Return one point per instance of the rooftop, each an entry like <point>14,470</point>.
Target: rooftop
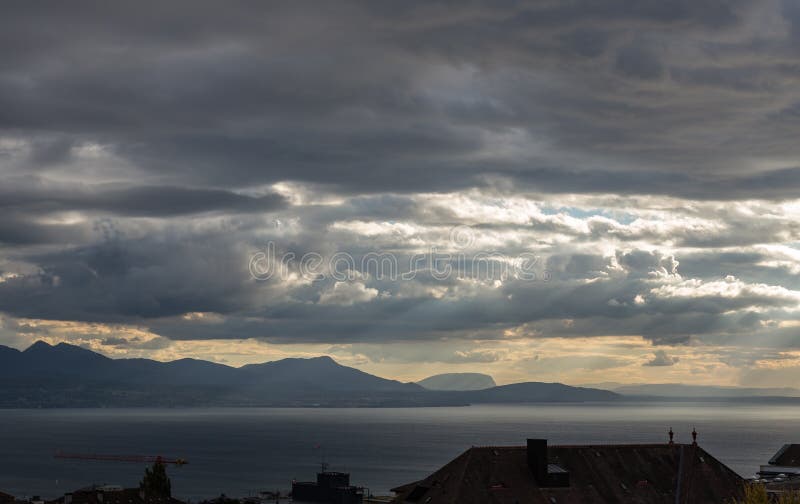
<point>636,473</point>
<point>787,456</point>
<point>112,495</point>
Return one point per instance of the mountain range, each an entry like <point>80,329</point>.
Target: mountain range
<point>69,376</point>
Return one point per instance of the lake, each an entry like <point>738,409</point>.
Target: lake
<point>240,451</point>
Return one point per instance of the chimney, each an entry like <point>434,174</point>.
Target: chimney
<point>537,460</point>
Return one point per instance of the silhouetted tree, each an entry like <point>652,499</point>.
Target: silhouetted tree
<point>156,482</point>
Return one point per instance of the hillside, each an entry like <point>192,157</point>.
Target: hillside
<point>69,376</point>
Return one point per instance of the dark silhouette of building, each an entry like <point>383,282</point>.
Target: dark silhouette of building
<point>330,488</point>
<point>112,495</point>
<point>666,473</point>
<point>782,473</point>
<point>6,498</point>
<point>786,460</point>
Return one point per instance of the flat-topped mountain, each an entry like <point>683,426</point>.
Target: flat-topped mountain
<point>458,381</point>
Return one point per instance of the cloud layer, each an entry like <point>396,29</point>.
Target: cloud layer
<point>642,157</point>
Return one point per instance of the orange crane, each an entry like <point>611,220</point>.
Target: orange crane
<point>147,459</point>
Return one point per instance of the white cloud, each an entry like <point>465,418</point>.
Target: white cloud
<point>348,293</point>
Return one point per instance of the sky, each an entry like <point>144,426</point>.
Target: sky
<point>576,191</point>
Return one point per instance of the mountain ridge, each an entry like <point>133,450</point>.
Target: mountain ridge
<point>69,376</point>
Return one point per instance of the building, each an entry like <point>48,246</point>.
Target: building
<point>111,494</point>
<point>537,473</point>
<point>330,488</point>
<point>782,473</point>
<point>6,498</point>
<point>785,464</point>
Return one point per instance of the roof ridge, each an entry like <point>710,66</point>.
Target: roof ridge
<point>779,453</point>
<point>468,454</point>
<point>597,445</point>
<point>619,445</point>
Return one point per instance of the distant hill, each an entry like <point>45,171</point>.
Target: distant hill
<point>458,381</point>
<point>537,392</point>
<point>678,390</point>
<point>69,376</point>
<point>321,372</point>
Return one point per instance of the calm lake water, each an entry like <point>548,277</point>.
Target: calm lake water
<point>241,451</point>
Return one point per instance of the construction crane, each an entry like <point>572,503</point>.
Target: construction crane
<point>147,459</point>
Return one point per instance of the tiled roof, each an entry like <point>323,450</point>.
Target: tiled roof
<point>632,474</point>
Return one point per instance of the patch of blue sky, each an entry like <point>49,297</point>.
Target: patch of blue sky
<point>585,213</point>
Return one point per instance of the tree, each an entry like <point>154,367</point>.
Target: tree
<point>757,494</point>
<point>156,482</point>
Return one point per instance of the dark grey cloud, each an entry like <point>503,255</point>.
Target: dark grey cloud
<point>150,201</point>
<point>147,150</point>
<point>134,343</point>
<point>751,266</point>
<point>124,280</point>
<point>16,229</point>
<point>637,61</point>
<point>379,98</point>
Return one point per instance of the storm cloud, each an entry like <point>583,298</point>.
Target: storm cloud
<point>644,154</point>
